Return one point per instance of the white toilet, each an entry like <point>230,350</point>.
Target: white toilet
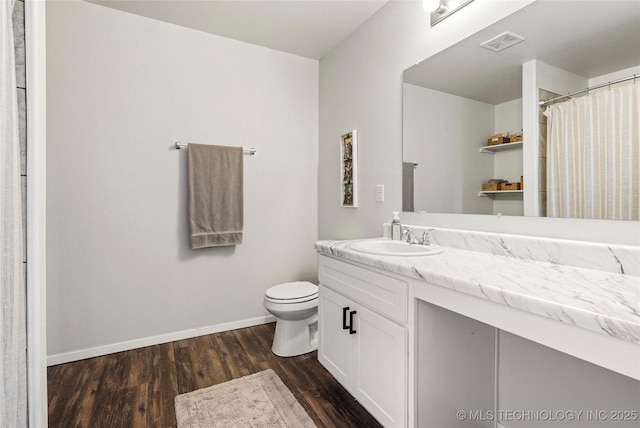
<point>295,305</point>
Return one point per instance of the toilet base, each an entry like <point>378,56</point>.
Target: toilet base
<point>294,338</point>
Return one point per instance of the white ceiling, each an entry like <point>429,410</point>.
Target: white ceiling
<point>309,28</point>
<point>588,38</point>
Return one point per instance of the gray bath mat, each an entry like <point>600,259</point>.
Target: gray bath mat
<point>257,400</point>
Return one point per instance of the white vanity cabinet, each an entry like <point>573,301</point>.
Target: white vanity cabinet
<point>363,336</point>
<point>466,339</point>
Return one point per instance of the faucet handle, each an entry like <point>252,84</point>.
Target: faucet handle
<point>425,237</point>
<point>408,234</point>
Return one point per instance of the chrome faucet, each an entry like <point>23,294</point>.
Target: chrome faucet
<point>410,237</point>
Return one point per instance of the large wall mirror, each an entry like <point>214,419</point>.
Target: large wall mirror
<point>454,101</point>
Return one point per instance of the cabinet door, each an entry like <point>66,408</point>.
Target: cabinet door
<point>334,343</point>
<point>380,367</point>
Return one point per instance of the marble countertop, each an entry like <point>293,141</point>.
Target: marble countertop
<point>604,302</point>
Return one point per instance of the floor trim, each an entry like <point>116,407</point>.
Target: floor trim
<point>97,351</point>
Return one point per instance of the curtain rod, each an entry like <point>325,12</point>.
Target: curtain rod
<point>602,85</point>
<point>249,151</point>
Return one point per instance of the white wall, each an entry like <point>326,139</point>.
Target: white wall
<point>508,117</point>
<point>121,89</point>
<point>555,380</point>
<point>620,74</point>
<point>361,88</point>
<point>508,163</point>
<point>442,133</point>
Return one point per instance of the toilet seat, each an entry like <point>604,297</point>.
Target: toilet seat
<point>292,292</point>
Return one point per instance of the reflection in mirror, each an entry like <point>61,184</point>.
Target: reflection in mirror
<point>456,100</point>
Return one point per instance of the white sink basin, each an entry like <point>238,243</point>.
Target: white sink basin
<point>387,247</point>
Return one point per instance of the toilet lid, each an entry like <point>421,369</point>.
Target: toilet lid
<point>292,290</point>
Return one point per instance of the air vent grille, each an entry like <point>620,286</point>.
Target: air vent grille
<point>502,42</point>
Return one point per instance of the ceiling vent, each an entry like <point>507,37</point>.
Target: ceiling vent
<point>502,42</point>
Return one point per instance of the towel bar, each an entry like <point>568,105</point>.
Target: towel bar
<point>249,151</point>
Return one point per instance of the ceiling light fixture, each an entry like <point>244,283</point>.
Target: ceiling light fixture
<point>440,9</point>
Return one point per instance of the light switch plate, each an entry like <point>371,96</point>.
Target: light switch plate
<point>380,192</point>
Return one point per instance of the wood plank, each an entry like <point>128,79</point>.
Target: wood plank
<point>163,386</point>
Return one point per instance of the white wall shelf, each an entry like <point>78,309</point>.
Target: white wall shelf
<point>491,193</point>
<point>501,147</point>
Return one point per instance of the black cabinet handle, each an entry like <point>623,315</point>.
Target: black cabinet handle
<point>344,318</point>
<point>351,314</point>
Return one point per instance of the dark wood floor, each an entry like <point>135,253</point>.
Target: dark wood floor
<point>136,388</point>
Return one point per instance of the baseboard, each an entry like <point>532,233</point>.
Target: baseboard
<point>82,354</point>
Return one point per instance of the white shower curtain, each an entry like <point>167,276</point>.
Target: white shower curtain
<point>593,155</point>
<point>13,382</point>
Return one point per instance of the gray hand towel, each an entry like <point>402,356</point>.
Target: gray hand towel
<point>215,195</point>
<point>408,169</point>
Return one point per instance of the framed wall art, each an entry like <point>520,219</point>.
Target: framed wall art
<point>349,169</point>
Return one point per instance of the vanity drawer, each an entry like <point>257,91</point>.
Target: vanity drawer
<point>384,294</point>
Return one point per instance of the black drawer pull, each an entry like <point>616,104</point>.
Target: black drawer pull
<point>344,318</point>
<point>351,314</point>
